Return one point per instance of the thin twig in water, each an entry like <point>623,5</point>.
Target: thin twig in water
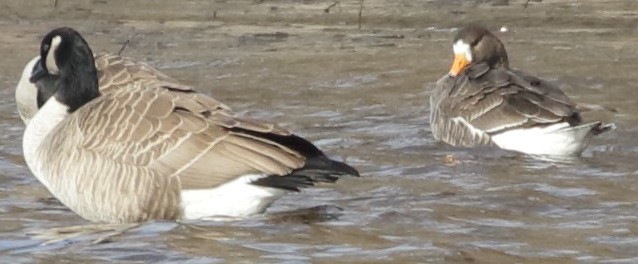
<point>526,3</point>
<point>119,53</point>
<point>108,237</point>
<point>360,12</point>
<point>55,4</point>
<point>327,9</point>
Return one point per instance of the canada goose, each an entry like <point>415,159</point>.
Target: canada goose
<point>483,101</point>
<point>150,148</point>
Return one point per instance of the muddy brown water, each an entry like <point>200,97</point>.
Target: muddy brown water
<point>362,96</point>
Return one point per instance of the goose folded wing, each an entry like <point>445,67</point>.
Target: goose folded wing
<point>183,134</point>
<point>115,72</point>
<point>500,100</point>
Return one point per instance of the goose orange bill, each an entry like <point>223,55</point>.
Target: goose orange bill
<point>459,64</point>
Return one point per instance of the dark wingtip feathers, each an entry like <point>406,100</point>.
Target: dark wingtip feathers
<point>323,163</point>
<point>317,170</point>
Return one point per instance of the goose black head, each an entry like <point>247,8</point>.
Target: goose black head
<point>66,69</point>
<point>475,44</point>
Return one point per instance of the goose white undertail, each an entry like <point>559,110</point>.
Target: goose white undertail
<point>556,139</point>
<point>237,198</point>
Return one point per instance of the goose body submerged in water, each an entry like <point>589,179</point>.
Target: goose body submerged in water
<point>142,146</point>
<point>483,101</point>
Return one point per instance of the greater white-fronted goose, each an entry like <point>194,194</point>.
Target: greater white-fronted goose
<point>151,148</point>
<point>483,101</point>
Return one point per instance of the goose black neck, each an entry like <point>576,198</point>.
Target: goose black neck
<point>76,83</point>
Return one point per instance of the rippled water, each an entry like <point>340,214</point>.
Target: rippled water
<point>361,95</point>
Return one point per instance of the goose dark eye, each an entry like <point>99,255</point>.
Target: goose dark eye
<point>45,47</point>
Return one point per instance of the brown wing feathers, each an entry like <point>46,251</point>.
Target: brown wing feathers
<point>500,99</point>
<point>207,145</point>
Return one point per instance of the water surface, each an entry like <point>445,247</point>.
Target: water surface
<point>362,96</point>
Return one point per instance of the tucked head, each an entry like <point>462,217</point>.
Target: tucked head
<point>475,44</point>
<point>66,69</point>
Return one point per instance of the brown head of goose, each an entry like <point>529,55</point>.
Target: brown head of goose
<point>483,101</point>
<point>154,149</point>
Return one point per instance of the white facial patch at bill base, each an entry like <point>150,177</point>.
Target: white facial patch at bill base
<point>51,64</point>
<point>460,47</point>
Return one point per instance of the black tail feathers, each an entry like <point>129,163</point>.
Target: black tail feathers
<point>317,169</point>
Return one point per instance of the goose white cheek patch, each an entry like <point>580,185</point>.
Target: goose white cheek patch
<point>52,65</point>
<point>460,47</point>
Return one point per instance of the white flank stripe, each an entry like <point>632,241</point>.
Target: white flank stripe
<point>461,121</point>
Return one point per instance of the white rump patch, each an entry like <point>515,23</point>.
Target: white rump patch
<point>237,198</point>
<point>460,47</point>
<point>556,139</point>
<point>52,65</point>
